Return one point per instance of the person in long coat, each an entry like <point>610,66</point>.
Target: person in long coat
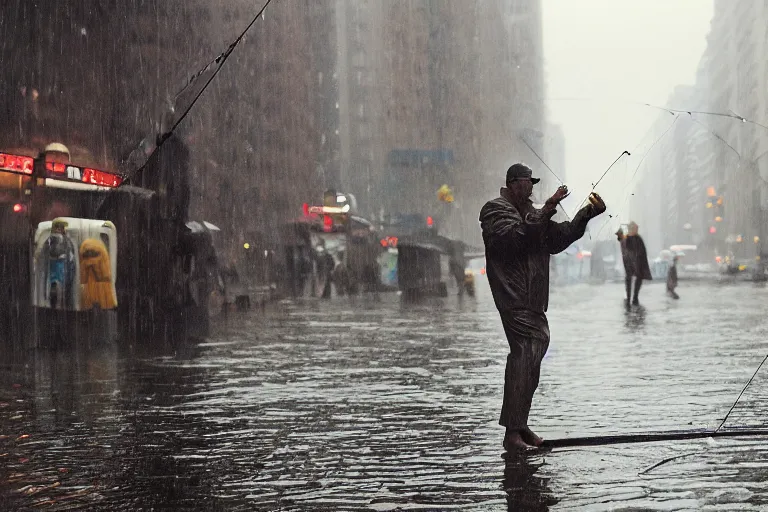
<point>635,259</point>
<point>519,240</point>
<point>672,279</point>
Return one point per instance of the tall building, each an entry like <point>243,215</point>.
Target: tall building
<point>434,93</point>
<point>719,195</point>
<point>386,99</point>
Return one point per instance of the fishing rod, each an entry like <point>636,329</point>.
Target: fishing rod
<point>676,113</point>
<point>658,139</point>
<point>652,437</point>
<point>731,115</point>
<point>673,435</point>
<point>625,152</point>
<point>216,64</point>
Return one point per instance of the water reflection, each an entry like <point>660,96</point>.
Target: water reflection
<point>634,318</point>
<point>73,385</point>
<point>526,491</point>
<point>326,405</point>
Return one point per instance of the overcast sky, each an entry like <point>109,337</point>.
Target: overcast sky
<point>610,52</point>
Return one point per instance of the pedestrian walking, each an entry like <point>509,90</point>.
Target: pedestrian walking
<point>635,259</point>
<point>519,240</point>
<point>672,279</point>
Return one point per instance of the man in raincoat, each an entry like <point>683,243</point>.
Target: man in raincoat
<point>519,240</point>
<point>635,261</point>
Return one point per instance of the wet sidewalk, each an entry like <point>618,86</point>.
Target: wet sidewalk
<point>364,405</point>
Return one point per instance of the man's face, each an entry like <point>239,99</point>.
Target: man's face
<point>521,187</point>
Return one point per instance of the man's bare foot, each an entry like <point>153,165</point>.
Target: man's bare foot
<point>513,441</point>
<point>530,437</point>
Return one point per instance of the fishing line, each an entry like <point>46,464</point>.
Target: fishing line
<point>677,435</point>
<point>716,135</point>
<point>548,168</point>
<point>668,459</point>
<point>598,181</point>
<point>540,159</point>
<point>658,139</point>
<point>742,392</point>
<point>625,152</point>
<point>672,435</point>
<point>731,115</point>
<point>677,117</point>
<point>220,60</point>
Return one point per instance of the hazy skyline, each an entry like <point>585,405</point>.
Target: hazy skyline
<point>600,57</point>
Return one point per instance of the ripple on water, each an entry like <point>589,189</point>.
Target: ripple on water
<point>332,407</point>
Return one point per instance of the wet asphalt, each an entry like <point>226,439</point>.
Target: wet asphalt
<point>359,404</point>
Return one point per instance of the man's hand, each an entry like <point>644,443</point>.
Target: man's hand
<point>620,235</point>
<point>598,205</point>
<point>560,194</point>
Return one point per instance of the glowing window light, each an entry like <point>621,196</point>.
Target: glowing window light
<point>16,163</point>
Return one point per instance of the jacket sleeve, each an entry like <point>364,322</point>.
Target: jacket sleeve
<point>559,235</point>
<point>506,230</point>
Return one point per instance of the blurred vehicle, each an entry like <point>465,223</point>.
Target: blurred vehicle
<point>743,269</point>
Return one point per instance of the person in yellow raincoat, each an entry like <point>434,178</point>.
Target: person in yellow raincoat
<point>96,287</point>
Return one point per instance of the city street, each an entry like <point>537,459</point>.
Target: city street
<point>354,404</point>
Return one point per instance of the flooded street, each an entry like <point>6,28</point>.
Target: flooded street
<point>365,405</point>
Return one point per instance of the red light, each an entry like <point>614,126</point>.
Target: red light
<point>482,271</point>
<point>57,167</point>
<point>390,241</point>
<point>15,163</point>
<point>18,208</point>
<point>579,255</point>
<point>97,177</point>
<point>305,209</point>
<point>712,230</point>
<point>327,222</point>
<point>430,221</point>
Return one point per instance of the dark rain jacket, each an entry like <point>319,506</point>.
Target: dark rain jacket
<point>672,277</point>
<point>635,257</point>
<point>517,251</point>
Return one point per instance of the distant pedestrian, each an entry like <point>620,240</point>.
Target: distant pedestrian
<point>635,261</point>
<point>672,279</point>
<point>519,240</point>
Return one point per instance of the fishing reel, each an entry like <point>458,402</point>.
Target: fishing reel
<point>595,199</point>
